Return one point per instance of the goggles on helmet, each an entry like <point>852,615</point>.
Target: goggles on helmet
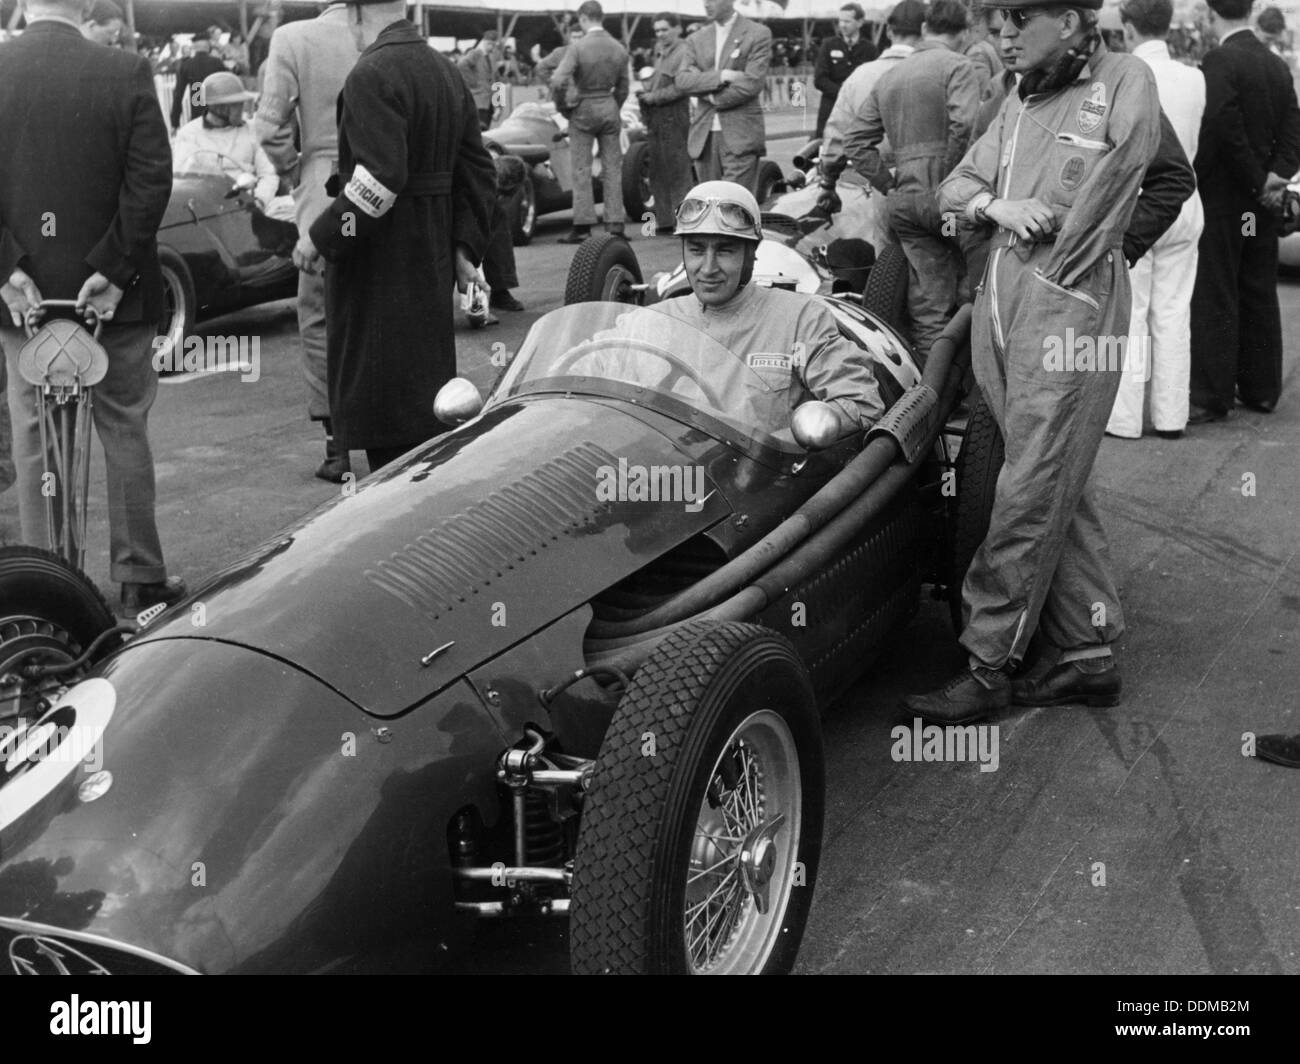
<point>731,216</point>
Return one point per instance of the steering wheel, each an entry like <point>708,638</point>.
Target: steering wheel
<point>678,367</point>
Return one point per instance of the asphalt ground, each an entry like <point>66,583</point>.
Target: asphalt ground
<point>1138,839</point>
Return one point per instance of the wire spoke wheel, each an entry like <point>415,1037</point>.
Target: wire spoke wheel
<point>742,864</point>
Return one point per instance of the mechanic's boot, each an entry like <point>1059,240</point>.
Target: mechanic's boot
<point>1092,682</point>
<point>336,465</point>
<point>970,695</point>
<point>577,235</point>
<point>137,597</point>
<point>501,299</point>
<point>1280,749</point>
<point>615,229</point>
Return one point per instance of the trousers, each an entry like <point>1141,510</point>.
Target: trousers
<point>717,164</point>
<point>121,414</point>
<point>1044,564</point>
<point>596,121</point>
<point>1236,321</point>
<point>670,162</point>
<point>934,263</point>
<point>1159,348</point>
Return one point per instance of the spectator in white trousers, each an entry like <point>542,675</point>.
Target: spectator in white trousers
<point>1159,344</point>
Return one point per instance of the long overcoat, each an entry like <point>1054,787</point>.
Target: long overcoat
<point>414,181</point>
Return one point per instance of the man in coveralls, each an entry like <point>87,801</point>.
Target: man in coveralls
<point>1058,174</point>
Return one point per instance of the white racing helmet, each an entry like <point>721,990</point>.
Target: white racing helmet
<point>721,208</point>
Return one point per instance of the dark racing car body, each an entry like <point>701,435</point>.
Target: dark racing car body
<point>565,659</point>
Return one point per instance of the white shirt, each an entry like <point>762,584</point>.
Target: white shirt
<point>1181,89</point>
<point>723,31</point>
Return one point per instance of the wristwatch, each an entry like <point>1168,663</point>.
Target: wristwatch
<point>979,206</point>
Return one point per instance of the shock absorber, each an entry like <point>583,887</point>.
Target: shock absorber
<point>543,838</point>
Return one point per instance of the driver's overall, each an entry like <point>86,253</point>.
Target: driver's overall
<point>1041,310</point>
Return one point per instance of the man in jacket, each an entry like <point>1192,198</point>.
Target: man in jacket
<point>593,76</point>
<point>478,68</point>
<point>82,192</point>
<point>1058,174</point>
<point>1160,325</point>
<point>189,76</point>
<point>725,69</point>
<point>409,222</point>
<point>667,113</point>
<point>838,57</point>
<point>1249,149</point>
<point>303,75</point>
<point>927,104</point>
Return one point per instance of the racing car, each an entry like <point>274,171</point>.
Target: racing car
<point>542,180</point>
<point>219,252</point>
<point>566,659</point>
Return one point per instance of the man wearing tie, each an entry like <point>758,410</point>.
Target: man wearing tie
<point>726,63</point>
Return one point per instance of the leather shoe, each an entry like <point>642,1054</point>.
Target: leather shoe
<point>964,698</point>
<point>503,300</point>
<point>614,229</point>
<point>336,464</point>
<point>576,235</point>
<point>1200,415</point>
<point>1280,749</point>
<point>1094,682</point>
<point>137,597</point>
<point>1169,434</point>
<point>1258,407</point>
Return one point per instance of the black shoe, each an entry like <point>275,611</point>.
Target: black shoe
<point>577,235</point>
<point>615,229</point>
<point>137,597</point>
<point>1259,407</point>
<point>1200,415</point>
<point>1094,682</point>
<point>336,465</point>
<point>503,300</point>
<point>964,698</point>
<point>1280,749</point>
<point>1169,434</point>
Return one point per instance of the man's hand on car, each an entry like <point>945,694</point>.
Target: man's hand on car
<point>828,200</point>
<point>20,295</point>
<point>99,294</point>
<point>1029,219</point>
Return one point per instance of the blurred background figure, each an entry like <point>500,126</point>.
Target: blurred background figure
<point>666,110</point>
<point>839,57</point>
<point>478,68</point>
<point>105,24</point>
<point>1272,30</point>
<point>980,50</point>
<point>1160,330</point>
<point>189,77</point>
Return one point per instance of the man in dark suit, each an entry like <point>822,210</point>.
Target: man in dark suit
<point>84,188</point>
<point>725,69</point>
<point>1249,148</point>
<point>839,57</point>
<point>189,76</point>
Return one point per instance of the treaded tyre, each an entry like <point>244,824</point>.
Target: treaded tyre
<point>770,181</point>
<point>49,612</point>
<point>638,198</point>
<point>707,796</point>
<point>603,269</point>
<point>978,463</point>
<point>886,291</point>
<point>182,306</point>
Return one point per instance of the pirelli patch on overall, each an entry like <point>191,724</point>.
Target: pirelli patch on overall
<point>1092,111</point>
<point>770,360</point>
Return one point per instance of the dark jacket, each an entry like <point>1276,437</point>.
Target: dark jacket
<point>87,170</point>
<point>837,60</point>
<point>1251,124</point>
<point>192,70</point>
<point>664,106</point>
<point>1168,182</point>
<point>415,180</point>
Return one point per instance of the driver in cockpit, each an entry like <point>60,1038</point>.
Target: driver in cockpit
<point>220,143</point>
<point>789,340</point>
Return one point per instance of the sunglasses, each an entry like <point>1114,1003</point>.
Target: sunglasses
<point>732,215</point>
<point>1020,17</point>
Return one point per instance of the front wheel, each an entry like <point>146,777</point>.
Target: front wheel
<point>638,197</point>
<point>770,181</point>
<point>180,301</point>
<point>604,268</point>
<point>701,833</point>
<point>50,613</point>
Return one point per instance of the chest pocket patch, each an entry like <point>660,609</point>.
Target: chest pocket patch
<point>1072,173</point>
<point>771,367</point>
<point>1092,112</point>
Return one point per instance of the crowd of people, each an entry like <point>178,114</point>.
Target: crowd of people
<point>1071,190</point>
